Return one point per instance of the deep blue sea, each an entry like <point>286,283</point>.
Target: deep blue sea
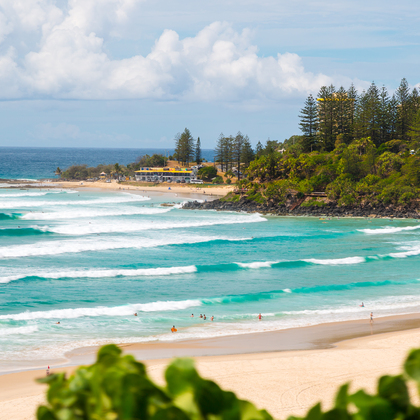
<point>41,162</point>
<point>90,260</point>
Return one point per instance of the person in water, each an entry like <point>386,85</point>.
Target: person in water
<point>192,315</point>
<point>212,318</point>
<point>204,317</point>
<point>201,316</point>
<point>362,305</point>
<point>260,317</point>
<point>173,329</point>
<point>135,314</point>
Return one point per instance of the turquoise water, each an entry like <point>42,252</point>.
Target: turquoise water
<point>90,260</point>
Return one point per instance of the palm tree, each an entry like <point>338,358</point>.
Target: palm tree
<point>58,171</point>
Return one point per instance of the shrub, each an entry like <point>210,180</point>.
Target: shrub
<point>218,180</point>
<point>117,387</point>
<point>207,173</point>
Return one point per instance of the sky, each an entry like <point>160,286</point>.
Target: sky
<point>134,73</point>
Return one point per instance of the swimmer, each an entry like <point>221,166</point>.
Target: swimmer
<point>259,317</point>
<point>192,315</point>
<point>204,317</point>
<point>58,322</point>
<point>212,318</point>
<point>135,314</point>
<point>362,305</point>
<point>201,316</point>
<point>173,329</point>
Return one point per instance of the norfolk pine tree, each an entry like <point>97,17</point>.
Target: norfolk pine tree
<point>198,151</point>
<point>309,123</point>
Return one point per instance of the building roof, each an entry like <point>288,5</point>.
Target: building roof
<point>168,171</point>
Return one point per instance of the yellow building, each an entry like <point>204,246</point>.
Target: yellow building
<point>166,174</point>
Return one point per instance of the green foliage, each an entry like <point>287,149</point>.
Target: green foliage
<point>207,173</point>
<point>218,180</point>
<point>313,203</point>
<point>117,388</point>
<point>154,161</point>
<point>185,147</point>
<point>231,197</point>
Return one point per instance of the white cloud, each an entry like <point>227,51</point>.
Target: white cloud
<point>218,64</point>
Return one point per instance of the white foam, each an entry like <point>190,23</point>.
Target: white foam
<point>101,244</point>
<point>92,213</point>
<point>92,273</point>
<point>120,198</point>
<point>337,261</point>
<point>287,290</point>
<point>388,229</point>
<point>119,226</point>
<point>126,310</point>
<point>257,264</point>
<point>19,330</point>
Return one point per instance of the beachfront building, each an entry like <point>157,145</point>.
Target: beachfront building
<point>166,174</point>
<point>102,175</point>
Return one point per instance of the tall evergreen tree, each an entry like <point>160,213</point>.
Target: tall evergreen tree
<point>247,153</point>
<point>309,123</point>
<point>224,152</point>
<point>402,95</point>
<point>361,117</point>
<point>184,147</point>
<point>393,117</point>
<point>384,121</point>
<point>373,113</point>
<point>352,97</point>
<point>238,145</point>
<point>327,110</point>
<point>198,159</point>
<point>259,149</point>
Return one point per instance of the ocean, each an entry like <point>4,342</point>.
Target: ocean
<point>41,162</point>
<point>91,259</point>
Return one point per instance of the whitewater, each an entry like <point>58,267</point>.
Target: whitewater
<point>75,266</point>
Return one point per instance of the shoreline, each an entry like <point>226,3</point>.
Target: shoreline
<point>284,382</point>
<point>204,191</point>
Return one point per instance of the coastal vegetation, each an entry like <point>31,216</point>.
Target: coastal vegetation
<point>354,148</point>
<point>118,387</point>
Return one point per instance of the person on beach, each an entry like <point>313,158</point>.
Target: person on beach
<point>371,317</point>
<point>173,329</point>
<point>260,317</point>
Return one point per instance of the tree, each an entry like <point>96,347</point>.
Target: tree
<point>238,145</point>
<point>309,123</point>
<point>327,111</point>
<point>402,95</point>
<point>223,151</point>
<point>247,153</point>
<point>198,159</point>
<point>384,119</point>
<point>207,173</point>
<point>414,132</point>
<point>184,147</point>
<point>58,171</point>
<point>259,150</point>
<point>373,104</point>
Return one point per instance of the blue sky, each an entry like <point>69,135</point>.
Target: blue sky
<point>133,73</point>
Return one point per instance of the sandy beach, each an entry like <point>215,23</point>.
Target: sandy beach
<point>283,382</point>
<point>196,189</point>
